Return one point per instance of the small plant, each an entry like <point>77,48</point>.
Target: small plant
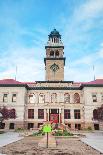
<point>89,128</point>
<point>19,129</point>
<point>62,133</point>
<point>1,132</point>
<point>39,133</point>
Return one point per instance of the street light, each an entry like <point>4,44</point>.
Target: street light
<point>1,119</point>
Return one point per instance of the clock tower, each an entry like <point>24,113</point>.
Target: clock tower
<point>54,61</point>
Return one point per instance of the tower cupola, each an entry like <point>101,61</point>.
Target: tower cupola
<point>54,39</point>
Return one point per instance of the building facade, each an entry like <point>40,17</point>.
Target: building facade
<point>66,102</point>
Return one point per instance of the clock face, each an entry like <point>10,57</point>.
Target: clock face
<point>54,67</point>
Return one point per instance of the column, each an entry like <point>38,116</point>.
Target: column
<point>47,114</point>
<point>59,115</point>
<point>62,115</point>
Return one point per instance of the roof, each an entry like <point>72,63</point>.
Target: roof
<point>55,33</point>
<point>97,81</point>
<point>33,85</point>
<point>9,81</point>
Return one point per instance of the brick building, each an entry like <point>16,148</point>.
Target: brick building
<point>67,102</point>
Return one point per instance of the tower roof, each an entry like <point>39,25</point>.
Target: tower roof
<point>55,33</point>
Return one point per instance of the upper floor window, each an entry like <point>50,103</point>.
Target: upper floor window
<point>101,97</point>
<point>54,97</point>
<point>52,53</point>
<point>57,53</point>
<point>76,98</point>
<point>5,98</point>
<point>30,113</point>
<point>41,98</point>
<point>40,113</point>
<point>94,97</point>
<point>95,114</point>
<point>77,114</point>
<point>66,113</point>
<point>13,97</point>
<point>66,98</point>
<point>32,98</point>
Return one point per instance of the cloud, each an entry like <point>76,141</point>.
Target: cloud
<point>29,68</point>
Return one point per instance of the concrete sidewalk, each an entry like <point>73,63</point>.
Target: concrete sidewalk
<point>9,137</point>
<point>95,140</point>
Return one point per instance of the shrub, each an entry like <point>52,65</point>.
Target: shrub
<point>19,129</point>
<point>62,133</point>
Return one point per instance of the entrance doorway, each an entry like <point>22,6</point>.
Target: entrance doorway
<point>54,115</point>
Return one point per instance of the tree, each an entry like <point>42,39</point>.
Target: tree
<point>7,114</point>
<point>98,113</point>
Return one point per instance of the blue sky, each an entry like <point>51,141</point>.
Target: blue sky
<point>24,29</point>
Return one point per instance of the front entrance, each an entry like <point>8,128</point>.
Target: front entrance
<point>54,115</point>
<point>54,118</point>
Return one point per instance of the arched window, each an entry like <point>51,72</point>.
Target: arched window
<point>76,98</point>
<point>66,98</point>
<point>95,114</point>
<point>41,98</point>
<point>54,97</point>
<point>32,98</point>
<point>52,53</point>
<point>57,53</point>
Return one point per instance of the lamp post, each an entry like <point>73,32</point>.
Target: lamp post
<point>1,119</point>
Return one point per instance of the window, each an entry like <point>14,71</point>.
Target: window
<point>52,53</point>
<point>40,124</point>
<point>78,126</point>
<point>66,98</point>
<point>13,97</point>
<point>54,97</point>
<point>40,113</point>
<point>95,114</point>
<point>41,98</point>
<point>57,53</point>
<point>30,113</point>
<point>32,98</point>
<point>5,98</point>
<point>2,126</point>
<point>30,125</point>
<point>94,97</point>
<point>11,126</point>
<point>96,126</point>
<point>101,97</point>
<point>76,98</point>
<point>77,114</point>
<point>66,113</point>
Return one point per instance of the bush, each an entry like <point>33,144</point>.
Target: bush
<point>19,129</point>
<point>1,132</point>
<point>62,133</point>
<point>39,133</point>
<point>89,128</point>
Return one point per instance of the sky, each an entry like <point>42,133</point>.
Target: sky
<point>24,29</point>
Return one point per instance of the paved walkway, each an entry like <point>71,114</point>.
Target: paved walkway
<point>95,140</point>
<point>8,138</point>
